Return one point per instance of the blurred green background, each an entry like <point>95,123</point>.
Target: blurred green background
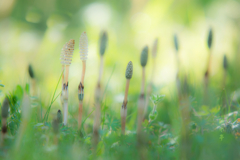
<point>34,32</point>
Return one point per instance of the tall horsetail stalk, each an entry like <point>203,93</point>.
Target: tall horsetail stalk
<point>83,45</point>
<point>55,125</point>
<point>4,113</point>
<point>97,120</point>
<point>128,75</point>
<point>142,102</point>
<point>66,58</point>
<point>207,73</point>
<point>33,92</point>
<point>176,46</point>
<point>26,112</point>
<point>150,85</point>
<point>185,144</point>
<point>225,68</point>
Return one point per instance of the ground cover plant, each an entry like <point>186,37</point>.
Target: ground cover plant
<point>107,91</point>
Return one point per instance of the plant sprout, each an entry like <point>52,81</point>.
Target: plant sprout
<point>128,75</point>
<point>155,99</point>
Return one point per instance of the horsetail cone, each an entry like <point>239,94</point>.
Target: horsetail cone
<point>225,63</point>
<point>144,56</point>
<point>155,48</point>
<point>83,46</point>
<point>59,116</point>
<point>67,52</point>
<point>5,108</point>
<point>30,71</point>
<point>210,38</point>
<point>103,43</point>
<point>129,70</point>
<point>176,42</point>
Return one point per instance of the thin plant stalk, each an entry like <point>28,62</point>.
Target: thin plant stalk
<point>100,69</point>
<point>55,125</point>
<point>143,81</point>
<point>224,95</point>
<point>26,111</point>
<point>176,45</point>
<point>4,114</point>
<point>142,102</point>
<point>83,45</point>
<point>128,75</point>
<point>207,73</point>
<point>97,120</point>
<point>185,144</point>
<point>66,57</point>
<point>150,85</point>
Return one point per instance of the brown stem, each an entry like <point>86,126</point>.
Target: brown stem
<point>55,140</point>
<point>62,74</point>
<point>143,81</point>
<point>141,104</point>
<point>83,71</point>
<point>97,120</point>
<point>67,73</point>
<point>206,77</point>
<point>100,69</point>
<point>126,90</point>
<point>80,110</point>
<point>124,108</point>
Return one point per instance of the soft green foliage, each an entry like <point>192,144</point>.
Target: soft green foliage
<point>5,107</point>
<point>157,98</point>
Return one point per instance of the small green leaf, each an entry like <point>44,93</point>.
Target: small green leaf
<point>19,92</point>
<point>145,123</point>
<point>215,109</point>
<point>27,88</point>
<point>156,98</point>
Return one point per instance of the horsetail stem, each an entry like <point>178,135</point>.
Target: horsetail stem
<point>80,108</point>
<point>141,102</point>
<point>128,75</point>
<point>59,116</point>
<point>66,57</point>
<point>207,73</point>
<point>150,85</point>
<point>83,46</point>
<point>97,121</point>
<point>176,42</point>
<point>26,112</point>
<point>55,126</point>
<point>4,113</point>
